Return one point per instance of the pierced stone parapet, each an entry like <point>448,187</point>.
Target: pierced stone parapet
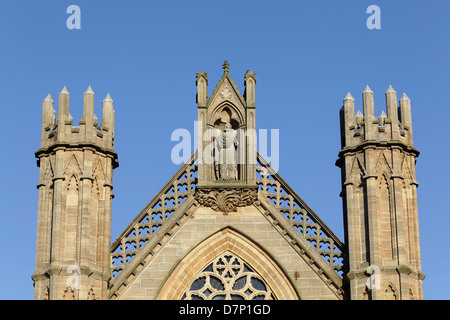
<point>153,217</point>
<point>226,200</point>
<point>300,215</point>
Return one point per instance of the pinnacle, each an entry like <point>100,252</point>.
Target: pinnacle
<point>249,73</point>
<point>404,97</point>
<point>48,98</point>
<point>89,90</point>
<point>108,98</point>
<point>367,90</point>
<point>390,89</point>
<point>226,66</point>
<point>349,97</point>
<point>383,114</point>
<point>64,91</point>
<point>359,114</point>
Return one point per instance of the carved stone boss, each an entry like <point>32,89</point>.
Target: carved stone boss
<point>227,200</point>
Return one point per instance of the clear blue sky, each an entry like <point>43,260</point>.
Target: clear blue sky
<point>307,55</point>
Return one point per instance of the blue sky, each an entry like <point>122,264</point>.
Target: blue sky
<point>306,54</point>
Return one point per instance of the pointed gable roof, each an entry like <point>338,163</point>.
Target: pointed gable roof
<point>223,84</point>
<point>270,198</point>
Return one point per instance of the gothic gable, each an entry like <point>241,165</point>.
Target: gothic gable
<point>276,208</point>
<point>226,93</point>
<point>233,265</point>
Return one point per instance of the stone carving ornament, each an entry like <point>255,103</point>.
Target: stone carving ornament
<point>226,155</point>
<point>226,200</point>
<point>228,277</point>
<point>226,93</point>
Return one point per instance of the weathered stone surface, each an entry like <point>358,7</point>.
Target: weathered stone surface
<point>236,216</point>
<point>226,200</point>
<point>379,193</point>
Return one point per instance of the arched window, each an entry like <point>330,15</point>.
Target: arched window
<point>227,265</point>
<point>228,277</point>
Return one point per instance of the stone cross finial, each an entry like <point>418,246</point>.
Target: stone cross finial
<point>226,66</point>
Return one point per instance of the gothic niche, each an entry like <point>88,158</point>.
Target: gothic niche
<point>226,145</point>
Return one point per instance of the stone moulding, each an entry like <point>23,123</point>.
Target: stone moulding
<point>374,143</point>
<point>79,146</point>
<point>226,199</point>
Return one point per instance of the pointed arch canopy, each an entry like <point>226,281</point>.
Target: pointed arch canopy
<point>227,240</point>
<point>226,111</point>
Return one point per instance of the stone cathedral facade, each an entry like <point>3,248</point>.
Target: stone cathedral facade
<point>226,225</point>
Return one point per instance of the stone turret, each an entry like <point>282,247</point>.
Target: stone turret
<point>75,192</point>
<point>379,191</point>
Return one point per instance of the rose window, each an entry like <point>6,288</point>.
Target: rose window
<point>228,278</point>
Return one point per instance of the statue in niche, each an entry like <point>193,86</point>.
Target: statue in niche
<point>225,157</point>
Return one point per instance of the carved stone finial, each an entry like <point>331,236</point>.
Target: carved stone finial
<point>226,66</point>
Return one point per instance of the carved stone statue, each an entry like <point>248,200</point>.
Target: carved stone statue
<point>225,154</point>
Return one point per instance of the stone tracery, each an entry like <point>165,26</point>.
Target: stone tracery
<point>228,277</point>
